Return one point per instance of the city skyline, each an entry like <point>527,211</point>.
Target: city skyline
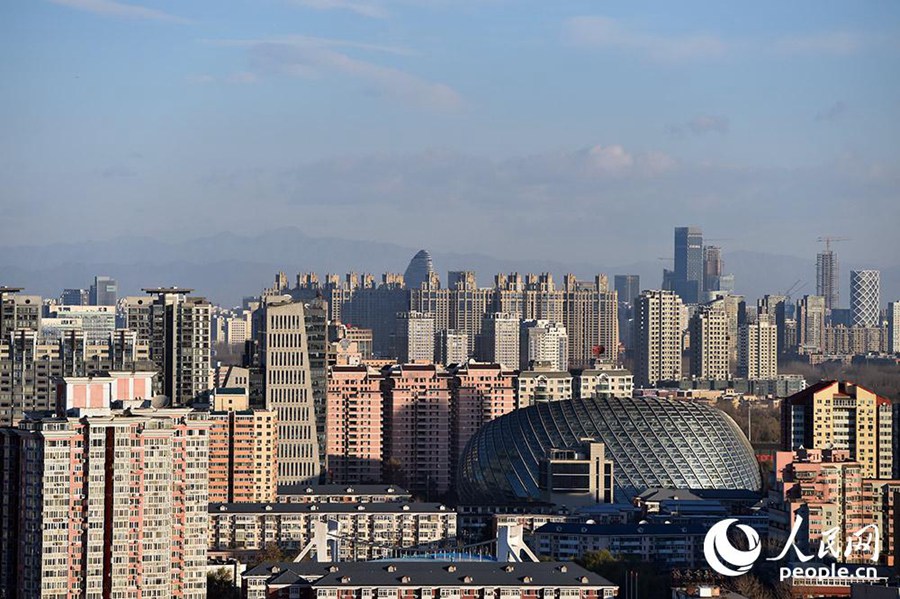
<point>394,118</point>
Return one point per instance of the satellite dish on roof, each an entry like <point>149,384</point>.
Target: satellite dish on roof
<point>160,401</point>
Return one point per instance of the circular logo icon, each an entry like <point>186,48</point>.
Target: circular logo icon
<point>725,558</point>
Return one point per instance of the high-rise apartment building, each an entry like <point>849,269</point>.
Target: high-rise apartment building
<point>104,291</point>
<point>657,335</point>
<point>451,347</point>
<point>354,438</point>
<point>31,365</point>
<point>18,311</point>
<point>479,393</point>
<point>893,330</point>
<point>178,329</point>
<point>688,277</point>
<point>758,350</point>
<point>811,324</point>
<point>828,278</point>
<point>103,503</point>
<point>774,307</point>
<point>841,415</point>
<point>498,342</point>
<point>830,492</point>
<point>415,337</point>
<point>284,362</point>
<point>467,304</point>
<point>545,342</point>
<point>417,428</point>
<point>243,446</point>
<point>865,297</point>
<point>590,314</point>
<point>709,343</point>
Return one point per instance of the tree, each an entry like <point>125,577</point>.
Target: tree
<point>220,585</point>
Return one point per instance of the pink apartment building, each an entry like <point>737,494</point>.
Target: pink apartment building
<point>829,491</point>
<point>101,502</point>
<point>353,442</point>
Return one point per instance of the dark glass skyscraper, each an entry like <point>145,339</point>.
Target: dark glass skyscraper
<point>628,287</point>
<point>104,292</point>
<point>688,263</point>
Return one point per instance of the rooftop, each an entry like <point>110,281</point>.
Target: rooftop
<point>344,508</point>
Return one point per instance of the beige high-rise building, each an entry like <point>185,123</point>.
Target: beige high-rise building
<point>287,388</point>
<point>657,335</point>
<point>544,342</point>
<point>841,415</point>
<point>414,339</point>
<point>811,324</point>
<point>709,343</point>
<point>243,446</point>
<point>758,350</point>
<point>498,342</point>
<point>178,329</point>
<point>452,347</point>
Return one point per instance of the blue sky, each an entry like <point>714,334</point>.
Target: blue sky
<point>513,128</point>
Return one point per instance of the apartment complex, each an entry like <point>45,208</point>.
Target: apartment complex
<point>831,494</point>
<point>657,337</point>
<point>543,342</point>
<point>758,350</point>
<point>243,447</point>
<point>177,328</point>
<point>709,343</point>
<point>354,434</point>
<point>429,579</point>
<point>417,427</point>
<point>367,530</point>
<point>104,502</point>
<point>414,341</point>
<point>479,393</point>
<point>30,366</point>
<point>845,416</point>
<point>498,341</point>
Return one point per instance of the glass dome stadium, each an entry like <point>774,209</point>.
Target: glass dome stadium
<point>651,442</point>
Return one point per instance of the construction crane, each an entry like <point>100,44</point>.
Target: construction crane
<point>829,239</point>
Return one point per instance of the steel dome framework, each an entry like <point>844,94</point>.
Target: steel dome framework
<point>652,443</point>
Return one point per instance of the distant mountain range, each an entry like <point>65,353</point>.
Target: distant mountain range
<point>225,267</point>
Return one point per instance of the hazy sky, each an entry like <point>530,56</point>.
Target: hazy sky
<point>514,128</point>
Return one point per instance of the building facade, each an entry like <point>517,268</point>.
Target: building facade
<point>841,415</point>
<point>104,503</point>
<point>657,335</point>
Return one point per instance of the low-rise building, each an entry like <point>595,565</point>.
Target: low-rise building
<point>674,545</point>
<point>426,579</point>
<point>342,494</point>
<point>366,530</point>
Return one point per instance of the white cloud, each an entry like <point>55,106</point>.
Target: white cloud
<point>110,8</point>
<point>603,32</point>
<point>311,58</point>
<point>609,159</point>
<point>360,7</point>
